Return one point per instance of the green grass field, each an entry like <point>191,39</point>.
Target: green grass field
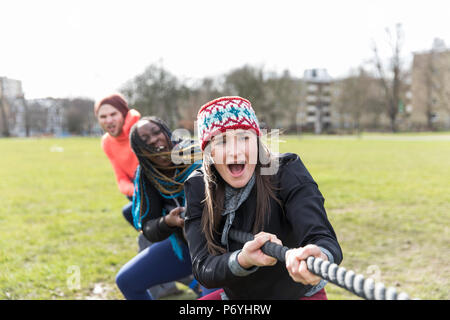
<point>60,215</point>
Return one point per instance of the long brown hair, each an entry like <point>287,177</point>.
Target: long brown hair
<point>215,194</point>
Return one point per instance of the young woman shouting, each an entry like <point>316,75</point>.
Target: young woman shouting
<point>243,186</point>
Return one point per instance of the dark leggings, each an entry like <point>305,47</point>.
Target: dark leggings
<point>154,265</point>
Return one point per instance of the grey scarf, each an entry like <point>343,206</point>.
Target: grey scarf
<point>233,200</point>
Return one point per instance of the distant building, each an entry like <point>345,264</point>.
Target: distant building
<point>48,116</point>
<point>20,117</point>
<point>315,109</point>
<point>12,108</point>
<point>62,117</point>
<point>430,89</point>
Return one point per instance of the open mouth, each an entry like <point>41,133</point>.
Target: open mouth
<point>236,169</point>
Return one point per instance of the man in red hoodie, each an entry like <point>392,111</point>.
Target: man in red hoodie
<point>116,119</point>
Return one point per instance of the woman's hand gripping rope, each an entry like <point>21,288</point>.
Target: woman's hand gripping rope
<point>320,266</point>
<point>297,267</point>
<point>252,255</point>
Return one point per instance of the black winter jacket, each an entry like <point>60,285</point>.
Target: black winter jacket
<point>303,221</point>
<point>153,225</point>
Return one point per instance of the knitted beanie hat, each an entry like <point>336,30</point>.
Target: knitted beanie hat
<point>225,113</point>
<point>116,100</point>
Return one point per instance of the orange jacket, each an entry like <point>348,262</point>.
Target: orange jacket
<point>121,156</point>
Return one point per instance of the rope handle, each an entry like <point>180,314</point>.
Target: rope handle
<point>347,279</point>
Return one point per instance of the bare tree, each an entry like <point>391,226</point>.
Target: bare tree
<point>274,97</point>
<point>3,114</point>
<point>191,98</point>
<point>248,82</point>
<point>350,101</point>
<point>283,94</point>
<point>5,123</point>
<point>357,99</point>
<point>78,115</point>
<point>391,78</point>
<point>155,92</point>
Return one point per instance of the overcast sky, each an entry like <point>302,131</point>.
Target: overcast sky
<point>90,48</point>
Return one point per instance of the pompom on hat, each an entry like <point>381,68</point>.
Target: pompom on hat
<point>116,100</point>
<point>223,114</point>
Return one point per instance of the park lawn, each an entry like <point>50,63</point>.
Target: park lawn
<point>388,201</point>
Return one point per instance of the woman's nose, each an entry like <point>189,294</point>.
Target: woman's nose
<point>235,149</point>
<point>152,140</point>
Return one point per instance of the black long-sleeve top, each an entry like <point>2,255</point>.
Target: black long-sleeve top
<point>154,227</point>
<point>301,221</point>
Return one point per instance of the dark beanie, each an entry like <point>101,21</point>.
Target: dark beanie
<point>116,100</point>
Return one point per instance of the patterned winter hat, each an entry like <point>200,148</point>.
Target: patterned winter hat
<point>223,114</point>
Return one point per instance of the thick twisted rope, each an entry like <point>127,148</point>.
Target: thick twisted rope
<point>346,279</point>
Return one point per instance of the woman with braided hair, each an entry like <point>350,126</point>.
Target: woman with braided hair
<point>158,205</point>
<point>243,185</point>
